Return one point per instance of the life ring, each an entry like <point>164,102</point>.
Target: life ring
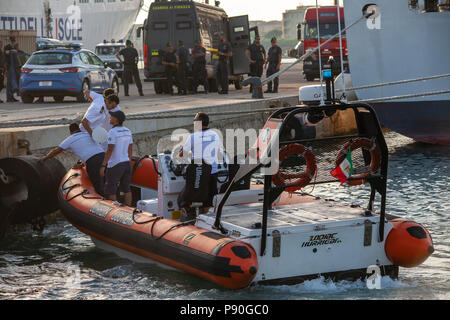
<point>375,159</point>
<point>302,179</point>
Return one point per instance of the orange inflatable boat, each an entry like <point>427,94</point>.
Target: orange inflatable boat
<point>212,256</point>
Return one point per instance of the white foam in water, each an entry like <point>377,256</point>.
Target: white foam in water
<point>327,286</point>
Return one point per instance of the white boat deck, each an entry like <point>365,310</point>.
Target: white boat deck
<point>247,218</point>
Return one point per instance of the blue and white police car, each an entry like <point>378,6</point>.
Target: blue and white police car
<point>64,70</point>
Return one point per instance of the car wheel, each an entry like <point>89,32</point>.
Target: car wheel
<point>309,77</point>
<point>115,86</point>
<point>27,98</point>
<point>85,86</point>
<point>58,98</point>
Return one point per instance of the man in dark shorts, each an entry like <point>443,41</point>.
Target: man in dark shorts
<point>86,149</point>
<point>274,61</point>
<point>224,52</point>
<point>170,62</point>
<point>199,67</point>
<point>117,159</point>
<point>130,69</point>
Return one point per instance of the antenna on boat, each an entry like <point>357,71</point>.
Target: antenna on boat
<point>322,102</point>
<point>344,97</point>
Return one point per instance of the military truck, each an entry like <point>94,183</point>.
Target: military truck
<point>171,21</point>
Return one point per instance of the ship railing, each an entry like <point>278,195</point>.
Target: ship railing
<point>391,83</point>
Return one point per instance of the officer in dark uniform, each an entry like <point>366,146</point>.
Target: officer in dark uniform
<point>11,70</point>
<point>2,69</point>
<point>170,61</point>
<point>274,61</point>
<point>130,69</point>
<point>199,67</point>
<point>224,52</point>
<point>256,55</point>
<point>183,56</point>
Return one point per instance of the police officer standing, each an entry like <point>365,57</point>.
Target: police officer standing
<point>224,52</point>
<point>2,69</point>
<point>256,55</point>
<point>130,69</point>
<point>199,66</point>
<point>170,62</point>
<point>12,72</point>
<point>274,61</point>
<point>183,55</point>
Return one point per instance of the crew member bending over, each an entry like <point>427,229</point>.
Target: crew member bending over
<point>117,159</point>
<point>204,145</point>
<point>87,150</point>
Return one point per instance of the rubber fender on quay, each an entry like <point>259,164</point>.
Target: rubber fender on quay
<point>31,189</point>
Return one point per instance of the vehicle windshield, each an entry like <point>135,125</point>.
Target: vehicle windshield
<point>327,30</point>
<point>50,58</point>
<point>108,50</point>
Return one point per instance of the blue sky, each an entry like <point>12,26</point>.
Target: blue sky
<point>261,9</point>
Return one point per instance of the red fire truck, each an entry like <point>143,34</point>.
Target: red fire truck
<point>328,26</point>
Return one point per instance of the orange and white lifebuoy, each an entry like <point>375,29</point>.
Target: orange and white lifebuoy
<point>301,179</point>
<point>375,159</point>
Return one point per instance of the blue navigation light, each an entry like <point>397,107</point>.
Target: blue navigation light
<point>327,74</point>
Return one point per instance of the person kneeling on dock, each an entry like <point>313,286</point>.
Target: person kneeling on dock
<point>117,160</point>
<point>82,144</point>
<point>201,175</point>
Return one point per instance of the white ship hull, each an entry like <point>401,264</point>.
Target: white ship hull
<point>88,23</point>
<point>403,43</point>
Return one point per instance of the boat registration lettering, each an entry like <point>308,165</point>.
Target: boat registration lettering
<point>321,240</point>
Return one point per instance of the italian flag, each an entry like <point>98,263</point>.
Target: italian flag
<point>344,170</point>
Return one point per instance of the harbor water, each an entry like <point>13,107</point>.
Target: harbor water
<point>62,263</point>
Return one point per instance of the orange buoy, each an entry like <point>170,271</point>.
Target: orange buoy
<point>408,244</point>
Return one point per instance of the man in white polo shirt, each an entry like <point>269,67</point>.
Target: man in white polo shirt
<point>117,159</point>
<point>97,114</point>
<point>87,150</point>
<point>204,145</point>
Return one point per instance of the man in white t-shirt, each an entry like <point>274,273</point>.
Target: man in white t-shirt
<point>112,104</point>
<point>204,145</point>
<point>87,150</point>
<point>117,159</point>
<point>97,114</point>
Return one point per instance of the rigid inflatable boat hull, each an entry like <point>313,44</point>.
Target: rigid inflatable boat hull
<point>212,256</point>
